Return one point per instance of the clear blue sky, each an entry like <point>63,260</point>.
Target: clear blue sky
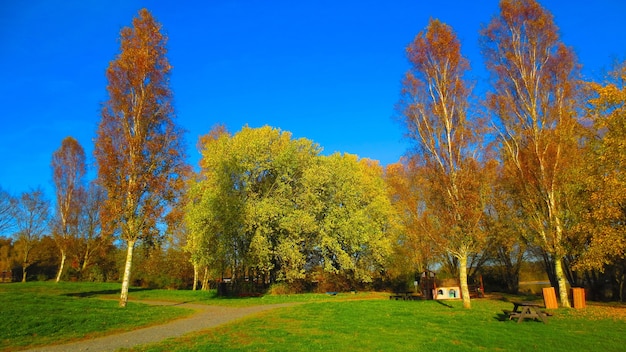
<point>326,70</point>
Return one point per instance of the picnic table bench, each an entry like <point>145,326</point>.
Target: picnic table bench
<point>527,310</point>
<point>404,296</point>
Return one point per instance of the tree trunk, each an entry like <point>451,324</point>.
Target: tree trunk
<point>560,277</point>
<point>463,280</point>
<point>24,267</point>
<point>126,280</point>
<point>195,277</point>
<point>205,279</point>
<point>63,257</point>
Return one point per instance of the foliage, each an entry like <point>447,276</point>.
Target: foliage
<point>269,208</point>
<point>534,97</point>
<point>166,267</point>
<point>31,214</point>
<point>352,213</point>
<point>605,220</point>
<point>435,106</point>
<point>138,148</point>
<point>68,172</point>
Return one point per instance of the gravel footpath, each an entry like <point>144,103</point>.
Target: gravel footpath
<point>204,318</point>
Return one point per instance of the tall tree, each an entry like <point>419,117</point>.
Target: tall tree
<point>139,148</point>
<point>31,212</point>
<point>534,86</point>
<point>605,218</point>
<point>68,172</point>
<point>202,235</point>
<point>435,106</point>
<point>242,215</point>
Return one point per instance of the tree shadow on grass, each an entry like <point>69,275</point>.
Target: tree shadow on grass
<point>444,304</point>
<point>104,292</point>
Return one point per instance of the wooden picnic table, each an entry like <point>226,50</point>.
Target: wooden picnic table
<point>404,296</point>
<point>527,310</point>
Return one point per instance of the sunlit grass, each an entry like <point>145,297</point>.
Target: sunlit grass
<point>383,325</point>
<point>45,313</point>
<point>33,314</point>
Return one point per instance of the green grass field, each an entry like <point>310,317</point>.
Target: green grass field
<point>42,313</point>
<point>383,325</point>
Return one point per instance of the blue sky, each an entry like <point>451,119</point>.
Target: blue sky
<point>328,71</point>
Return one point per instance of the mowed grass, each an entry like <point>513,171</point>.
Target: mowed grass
<point>42,313</point>
<point>35,314</point>
<point>384,325</point>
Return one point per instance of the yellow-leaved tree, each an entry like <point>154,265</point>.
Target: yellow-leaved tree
<point>448,144</point>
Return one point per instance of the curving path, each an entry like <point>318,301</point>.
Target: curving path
<point>204,318</point>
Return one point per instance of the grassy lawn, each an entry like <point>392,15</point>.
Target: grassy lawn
<point>40,313</point>
<point>383,325</point>
<point>44,313</point>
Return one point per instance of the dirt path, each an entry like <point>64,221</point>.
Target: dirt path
<point>205,317</point>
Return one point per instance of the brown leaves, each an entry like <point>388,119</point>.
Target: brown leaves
<point>139,148</point>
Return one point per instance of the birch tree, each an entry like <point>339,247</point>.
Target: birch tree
<point>68,171</point>
<point>435,106</point>
<point>139,148</point>
<point>534,86</point>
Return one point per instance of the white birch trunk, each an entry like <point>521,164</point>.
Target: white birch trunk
<point>126,280</point>
<point>205,279</point>
<point>560,278</point>
<point>195,277</point>
<point>63,257</point>
<point>463,280</point>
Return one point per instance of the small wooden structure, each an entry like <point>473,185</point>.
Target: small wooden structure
<point>428,284</point>
<point>448,289</point>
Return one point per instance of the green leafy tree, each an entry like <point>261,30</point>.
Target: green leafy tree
<point>353,216</point>
<point>241,214</point>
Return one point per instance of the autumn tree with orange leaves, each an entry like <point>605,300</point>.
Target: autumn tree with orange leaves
<point>604,224</point>
<point>435,106</point>
<point>413,252</point>
<point>534,97</point>
<point>68,172</point>
<point>139,148</point>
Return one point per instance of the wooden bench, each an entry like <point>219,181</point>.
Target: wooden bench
<point>511,314</point>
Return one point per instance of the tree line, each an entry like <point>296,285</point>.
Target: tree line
<point>531,171</point>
